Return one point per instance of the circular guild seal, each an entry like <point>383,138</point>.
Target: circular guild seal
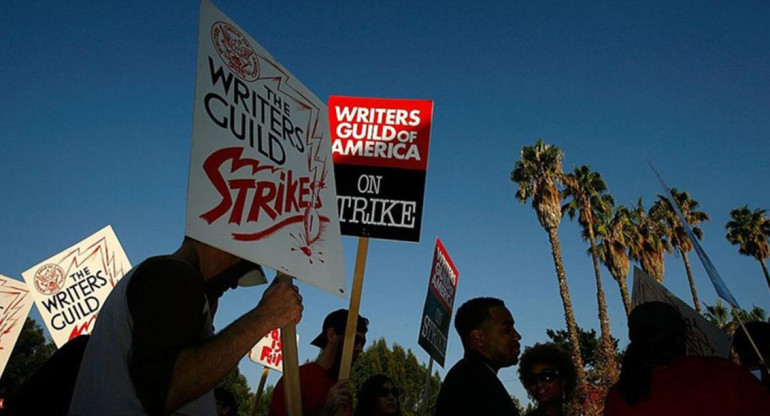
<point>235,51</point>
<point>49,279</point>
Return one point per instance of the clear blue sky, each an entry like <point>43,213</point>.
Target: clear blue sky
<point>96,116</point>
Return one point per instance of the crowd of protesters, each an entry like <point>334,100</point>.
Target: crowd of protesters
<point>150,356</point>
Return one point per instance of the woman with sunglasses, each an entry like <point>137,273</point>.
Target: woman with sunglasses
<point>378,397</point>
<point>548,374</point>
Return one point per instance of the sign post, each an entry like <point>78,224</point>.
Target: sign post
<point>425,388</point>
<point>291,364</point>
<point>380,149</point>
<point>268,352</point>
<point>355,305</point>
<point>260,389</point>
<point>261,183</point>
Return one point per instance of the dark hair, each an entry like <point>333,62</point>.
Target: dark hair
<point>369,393</point>
<point>471,315</point>
<point>657,333</point>
<point>760,333</point>
<point>226,398</point>
<point>553,355</point>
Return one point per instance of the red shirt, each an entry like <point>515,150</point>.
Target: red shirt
<point>699,386</point>
<point>315,383</point>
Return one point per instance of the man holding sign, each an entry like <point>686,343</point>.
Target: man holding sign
<point>260,188</point>
<point>153,350</point>
<point>322,394</point>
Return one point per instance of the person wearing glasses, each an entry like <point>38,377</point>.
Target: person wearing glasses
<point>378,397</point>
<point>490,342</point>
<point>322,393</point>
<point>548,374</point>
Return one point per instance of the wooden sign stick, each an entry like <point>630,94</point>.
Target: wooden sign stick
<point>290,363</point>
<point>761,358</point>
<point>426,389</point>
<point>260,389</point>
<point>355,303</point>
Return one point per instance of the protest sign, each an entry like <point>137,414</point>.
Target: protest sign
<point>268,351</point>
<point>703,337</point>
<point>15,302</point>
<point>380,149</point>
<point>261,182</point>
<point>70,287</point>
<point>437,313</point>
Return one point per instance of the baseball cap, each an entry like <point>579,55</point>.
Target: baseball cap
<point>337,320</point>
<point>253,274</point>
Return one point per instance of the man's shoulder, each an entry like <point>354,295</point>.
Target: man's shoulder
<point>706,365</point>
<point>311,368</point>
<point>467,367</point>
<point>166,264</point>
<point>471,378</point>
<point>313,371</point>
<point>466,375</point>
<point>162,272</point>
<point>155,278</point>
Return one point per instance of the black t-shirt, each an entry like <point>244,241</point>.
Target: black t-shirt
<point>167,302</point>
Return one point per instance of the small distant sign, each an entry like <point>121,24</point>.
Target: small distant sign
<point>70,287</point>
<point>269,351</point>
<point>437,312</point>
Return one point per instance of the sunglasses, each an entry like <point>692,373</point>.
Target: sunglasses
<point>545,376</point>
<point>384,392</point>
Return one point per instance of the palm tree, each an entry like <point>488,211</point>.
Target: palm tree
<point>750,230</point>
<point>650,243</point>
<point>537,175</point>
<point>675,229</point>
<point>587,197</point>
<point>615,232</point>
<point>720,315</point>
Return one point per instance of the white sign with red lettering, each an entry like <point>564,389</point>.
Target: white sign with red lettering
<point>15,303</point>
<point>268,351</point>
<point>261,182</point>
<point>70,287</point>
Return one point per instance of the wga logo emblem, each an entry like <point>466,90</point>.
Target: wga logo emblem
<point>49,279</point>
<point>235,51</point>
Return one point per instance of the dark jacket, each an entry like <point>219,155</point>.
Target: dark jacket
<point>472,388</point>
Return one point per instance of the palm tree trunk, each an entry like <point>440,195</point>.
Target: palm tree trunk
<point>569,315</point>
<point>624,293</point>
<point>694,292</point>
<point>610,370</point>
<point>767,276</point>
